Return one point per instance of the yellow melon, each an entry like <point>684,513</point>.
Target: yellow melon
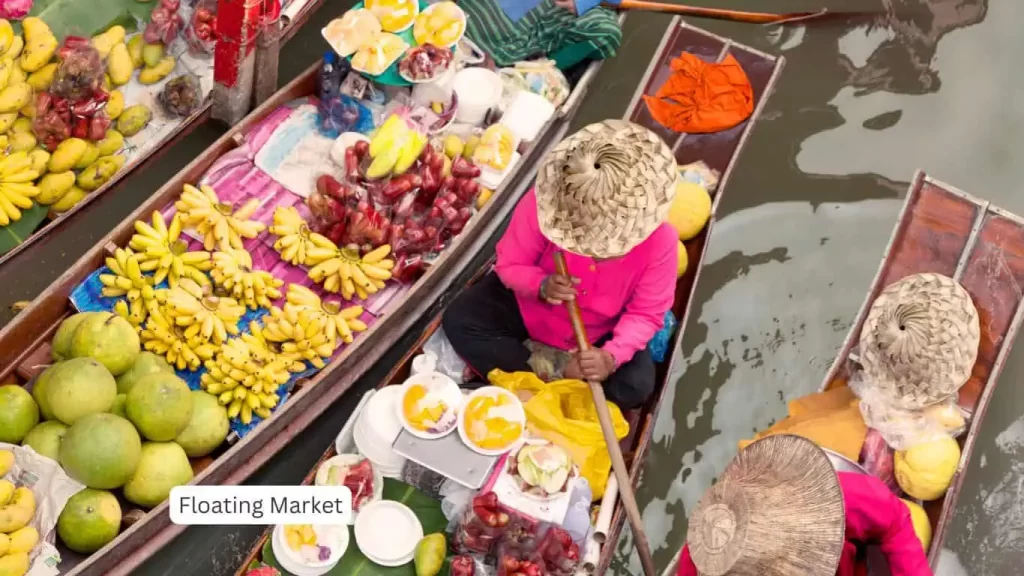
<point>690,209</point>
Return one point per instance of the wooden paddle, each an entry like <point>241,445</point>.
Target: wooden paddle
<point>605,418</point>
<point>716,13</point>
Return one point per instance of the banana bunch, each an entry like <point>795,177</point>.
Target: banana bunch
<point>296,239</point>
<point>233,272</point>
<point>128,280</point>
<point>300,334</point>
<point>345,272</point>
<point>16,187</point>
<point>166,255</point>
<point>217,222</point>
<point>245,379</point>
<point>203,316</point>
<point>161,336</point>
<point>340,322</point>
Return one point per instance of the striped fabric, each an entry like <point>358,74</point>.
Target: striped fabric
<point>546,30</point>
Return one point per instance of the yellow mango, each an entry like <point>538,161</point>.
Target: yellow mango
<point>15,50</point>
<point>6,491</point>
<point>97,174</point>
<point>119,65</point>
<point>22,141</point>
<point>23,540</point>
<point>135,50</point>
<point>5,544</point>
<point>111,143</point>
<point>7,121</point>
<point>154,74</point>
<point>40,158</point>
<point>6,35</point>
<point>38,52</point>
<point>67,154</point>
<point>7,67</point>
<point>14,564</point>
<point>5,143</point>
<point>74,196</point>
<point>105,42</point>
<point>18,512</point>
<point>17,74</point>
<point>21,124</point>
<point>117,159</point>
<point>33,27</point>
<point>41,79</point>
<point>152,54</point>
<point>132,120</point>
<point>115,104</point>
<point>92,152</point>
<point>15,96</point>
<point>53,187</point>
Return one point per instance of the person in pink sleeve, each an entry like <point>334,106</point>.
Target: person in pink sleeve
<point>780,509</point>
<point>601,199</point>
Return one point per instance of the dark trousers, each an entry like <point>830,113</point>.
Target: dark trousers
<point>485,328</point>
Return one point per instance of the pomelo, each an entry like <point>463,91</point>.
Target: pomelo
<point>146,363</point>
<point>60,346</point>
<point>18,413</point>
<point>925,470</point>
<point>160,406</point>
<point>119,406</point>
<point>163,466</point>
<point>45,438</point>
<point>690,210</point>
<point>39,391</point>
<point>683,260</point>
<point>79,387</point>
<point>922,526</point>
<point>109,339</point>
<point>101,451</point>
<point>208,427</point>
<point>90,519</point>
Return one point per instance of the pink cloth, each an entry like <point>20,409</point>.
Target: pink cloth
<point>626,296</point>
<point>873,515</point>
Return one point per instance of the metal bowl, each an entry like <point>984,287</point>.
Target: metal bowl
<point>842,463</point>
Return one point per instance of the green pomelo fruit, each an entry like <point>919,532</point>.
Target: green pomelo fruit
<point>208,427</point>
<point>79,387</point>
<point>90,519</point>
<point>119,406</point>
<point>40,390</point>
<point>107,338</point>
<point>101,451</point>
<point>60,346</point>
<point>18,413</point>
<point>163,466</point>
<point>45,438</point>
<point>160,406</point>
<point>146,363</point>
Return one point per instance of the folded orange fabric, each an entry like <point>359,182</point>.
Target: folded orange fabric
<point>830,419</point>
<point>702,97</point>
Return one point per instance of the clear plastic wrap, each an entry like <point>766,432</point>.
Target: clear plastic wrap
<point>165,23</point>
<point>448,361</point>
<point>877,458</point>
<point>181,95</point>
<point>201,32</point>
<point>480,526</point>
<point>561,555</point>
<point>80,73</point>
<point>466,566</point>
<point>539,76</point>
<point>513,561</point>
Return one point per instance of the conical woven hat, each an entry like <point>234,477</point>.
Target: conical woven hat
<point>777,510</point>
<point>920,340</point>
<point>605,189</point>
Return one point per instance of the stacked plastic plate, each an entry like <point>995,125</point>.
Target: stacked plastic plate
<point>387,533</point>
<point>376,429</point>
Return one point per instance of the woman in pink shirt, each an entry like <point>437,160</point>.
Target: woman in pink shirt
<point>780,509</point>
<point>601,199</point>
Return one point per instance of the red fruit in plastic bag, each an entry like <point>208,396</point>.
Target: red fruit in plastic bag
<point>171,5</point>
<point>462,566</point>
<point>362,148</point>
<point>203,15</point>
<point>462,168</point>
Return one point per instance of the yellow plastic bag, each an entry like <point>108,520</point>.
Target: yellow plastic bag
<point>563,412</point>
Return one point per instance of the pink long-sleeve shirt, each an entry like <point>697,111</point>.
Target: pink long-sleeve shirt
<point>873,515</point>
<point>626,296</point>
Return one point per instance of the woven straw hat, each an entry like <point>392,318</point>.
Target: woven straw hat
<point>920,340</point>
<point>605,189</point>
<point>777,510</point>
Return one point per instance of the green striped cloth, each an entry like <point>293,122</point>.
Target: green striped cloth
<point>546,30</point>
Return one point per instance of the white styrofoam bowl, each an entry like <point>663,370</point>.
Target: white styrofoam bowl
<point>290,562</point>
<point>492,391</point>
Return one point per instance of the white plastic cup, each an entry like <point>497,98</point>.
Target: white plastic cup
<point>479,90</point>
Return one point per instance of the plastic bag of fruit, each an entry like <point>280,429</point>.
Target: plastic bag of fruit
<point>514,561</point>
<point>80,73</point>
<point>480,526</point>
<point>165,23</point>
<point>330,205</point>
<point>343,113</point>
<point>466,566</point>
<point>201,31</point>
<point>561,555</point>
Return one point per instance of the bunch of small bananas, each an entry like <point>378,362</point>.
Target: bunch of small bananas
<point>203,316</point>
<point>245,379</point>
<point>128,280</point>
<point>161,336</point>
<point>296,239</point>
<point>233,272</point>
<point>340,322</point>
<point>16,187</point>
<point>215,221</point>
<point>166,255</point>
<point>300,334</point>
<point>344,271</point>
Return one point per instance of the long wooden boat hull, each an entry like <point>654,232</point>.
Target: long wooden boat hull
<point>34,326</point>
<point>946,231</point>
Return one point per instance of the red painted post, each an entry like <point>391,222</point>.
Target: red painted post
<point>238,25</point>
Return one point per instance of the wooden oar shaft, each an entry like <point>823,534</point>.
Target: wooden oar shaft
<point>716,13</point>
<point>626,494</point>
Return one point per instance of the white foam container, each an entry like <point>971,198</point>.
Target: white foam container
<point>433,382</point>
<point>479,90</point>
<point>387,533</point>
<point>288,560</point>
<point>527,114</point>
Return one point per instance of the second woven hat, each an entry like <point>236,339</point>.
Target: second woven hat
<point>920,340</point>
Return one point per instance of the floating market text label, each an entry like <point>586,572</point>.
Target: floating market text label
<point>260,505</point>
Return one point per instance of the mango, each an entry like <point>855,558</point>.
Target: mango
<point>154,74</point>
<point>92,152</point>
<point>41,79</point>
<point>7,121</point>
<point>105,42</point>
<point>40,158</point>
<point>152,54</point>
<point>67,154</point>
<point>38,52</point>
<point>28,111</point>
<point>7,67</point>
<point>18,512</point>
<point>107,84</point>
<point>97,174</point>
<point>14,564</point>
<point>132,120</point>
<point>5,544</point>
<point>135,50</point>
<point>34,27</point>
<point>111,143</point>
<point>16,47</point>
<point>119,65</point>
<point>115,104</point>
<point>17,74</point>
<point>22,141</point>
<point>67,202</point>
<point>54,186</point>
<point>15,96</point>
<point>117,159</point>
<point>23,540</point>
<point>5,143</point>
<point>6,488</point>
<point>21,125</point>
<point>6,35</point>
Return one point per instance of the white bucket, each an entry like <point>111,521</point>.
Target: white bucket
<point>479,90</point>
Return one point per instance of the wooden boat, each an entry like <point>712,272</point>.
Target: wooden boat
<point>720,151</point>
<point>946,231</point>
<point>24,343</point>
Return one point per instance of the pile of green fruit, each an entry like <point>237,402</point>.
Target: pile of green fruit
<point>114,418</point>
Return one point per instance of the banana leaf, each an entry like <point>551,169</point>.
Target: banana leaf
<point>354,563</point>
<point>16,232</point>
<point>88,17</point>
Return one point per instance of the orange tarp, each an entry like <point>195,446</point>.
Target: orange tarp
<point>702,97</point>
